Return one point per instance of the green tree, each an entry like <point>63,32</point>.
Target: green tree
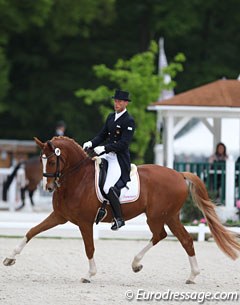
<point>48,48</point>
<point>4,78</point>
<point>40,47</point>
<point>17,17</point>
<point>138,76</point>
<point>202,30</point>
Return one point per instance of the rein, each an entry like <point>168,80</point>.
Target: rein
<point>58,175</point>
<point>75,167</point>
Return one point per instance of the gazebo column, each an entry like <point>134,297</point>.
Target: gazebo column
<point>230,183</point>
<point>217,127</point>
<point>159,147</point>
<point>169,129</point>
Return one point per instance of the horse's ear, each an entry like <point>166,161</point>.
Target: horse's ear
<point>38,142</point>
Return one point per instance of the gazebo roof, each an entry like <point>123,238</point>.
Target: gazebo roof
<point>221,93</point>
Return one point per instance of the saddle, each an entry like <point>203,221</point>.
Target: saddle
<point>129,193</point>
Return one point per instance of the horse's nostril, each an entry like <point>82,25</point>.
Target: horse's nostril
<point>50,189</point>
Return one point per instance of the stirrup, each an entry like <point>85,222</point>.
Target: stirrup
<point>101,213</point>
<point>118,223</point>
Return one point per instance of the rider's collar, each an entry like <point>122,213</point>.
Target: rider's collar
<point>117,115</point>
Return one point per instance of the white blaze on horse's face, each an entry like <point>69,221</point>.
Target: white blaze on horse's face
<point>44,163</point>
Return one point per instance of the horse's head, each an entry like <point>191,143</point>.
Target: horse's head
<point>59,156</point>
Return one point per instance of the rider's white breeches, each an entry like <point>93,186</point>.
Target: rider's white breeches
<point>114,171</point>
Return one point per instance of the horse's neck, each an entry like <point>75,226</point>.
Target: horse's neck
<point>79,170</point>
<point>75,156</point>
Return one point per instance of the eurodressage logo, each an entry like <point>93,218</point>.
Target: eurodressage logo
<point>200,297</point>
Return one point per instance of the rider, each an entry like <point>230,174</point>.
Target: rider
<point>118,132</point>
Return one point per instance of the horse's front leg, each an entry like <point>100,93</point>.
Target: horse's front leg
<point>51,221</point>
<point>87,235</point>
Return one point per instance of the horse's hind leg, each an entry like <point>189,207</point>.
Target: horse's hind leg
<point>31,196</point>
<point>23,190</point>
<point>51,221</point>
<point>186,240</point>
<point>159,233</point>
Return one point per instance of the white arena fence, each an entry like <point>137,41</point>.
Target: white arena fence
<point>17,224</point>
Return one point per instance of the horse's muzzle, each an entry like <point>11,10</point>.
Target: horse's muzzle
<point>50,187</point>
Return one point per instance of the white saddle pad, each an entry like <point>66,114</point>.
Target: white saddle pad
<point>129,193</point>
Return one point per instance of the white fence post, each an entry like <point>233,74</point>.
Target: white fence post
<point>201,232</point>
<point>229,210</point>
<point>230,183</point>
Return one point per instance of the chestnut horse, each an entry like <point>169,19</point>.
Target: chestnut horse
<point>69,172</point>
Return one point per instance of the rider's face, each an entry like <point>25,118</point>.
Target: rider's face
<point>120,105</point>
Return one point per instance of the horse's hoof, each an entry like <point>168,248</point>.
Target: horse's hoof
<point>9,261</point>
<point>137,268</point>
<point>85,280</point>
<point>189,282</point>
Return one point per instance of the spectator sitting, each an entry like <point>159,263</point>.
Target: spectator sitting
<point>218,158</point>
<point>220,153</point>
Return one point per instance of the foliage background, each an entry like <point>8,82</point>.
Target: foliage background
<point>48,49</point>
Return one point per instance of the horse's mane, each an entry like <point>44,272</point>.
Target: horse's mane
<point>71,140</point>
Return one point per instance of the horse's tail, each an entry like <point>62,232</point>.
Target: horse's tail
<point>225,239</point>
<point>7,183</point>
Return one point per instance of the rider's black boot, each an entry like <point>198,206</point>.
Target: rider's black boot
<point>116,208</point>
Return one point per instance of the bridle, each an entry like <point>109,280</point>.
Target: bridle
<point>57,153</point>
<point>58,174</point>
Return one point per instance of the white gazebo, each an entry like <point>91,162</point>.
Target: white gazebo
<point>215,101</point>
<point>211,104</point>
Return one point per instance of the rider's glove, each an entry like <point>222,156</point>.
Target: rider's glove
<point>99,150</point>
<point>87,145</point>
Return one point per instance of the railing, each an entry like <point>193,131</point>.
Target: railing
<point>214,177</point>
